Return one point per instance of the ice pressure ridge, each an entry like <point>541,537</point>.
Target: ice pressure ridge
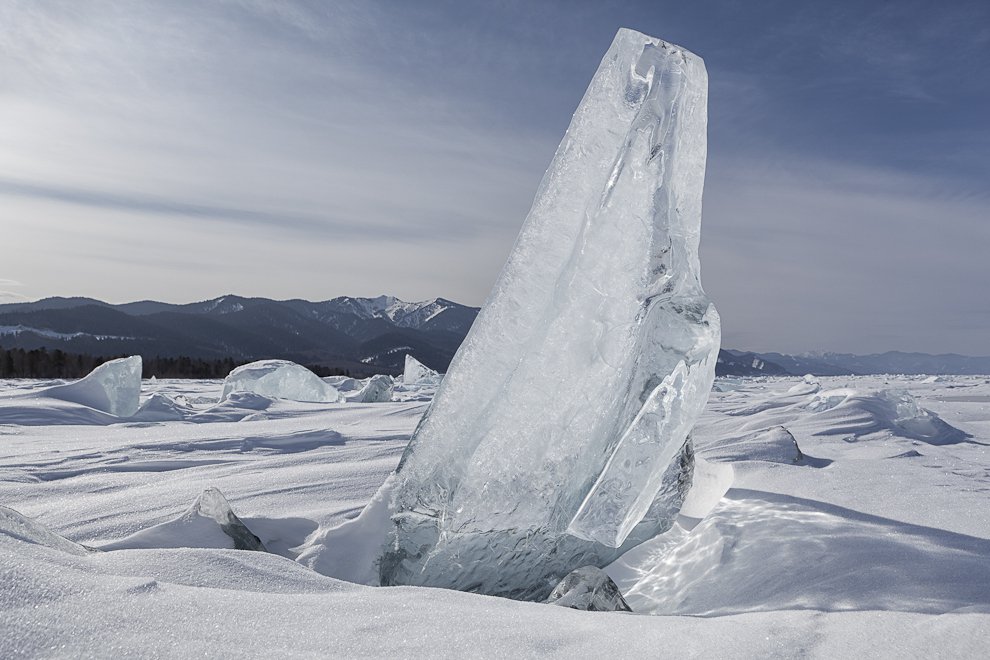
<point>559,436</point>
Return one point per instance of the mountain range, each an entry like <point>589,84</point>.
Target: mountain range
<point>362,335</point>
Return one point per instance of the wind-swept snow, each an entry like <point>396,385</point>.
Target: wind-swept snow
<point>873,545</point>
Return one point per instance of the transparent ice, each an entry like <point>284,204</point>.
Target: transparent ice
<point>113,387</point>
<point>559,436</point>
<point>417,373</point>
<point>378,389</point>
<point>279,379</point>
<point>589,588</point>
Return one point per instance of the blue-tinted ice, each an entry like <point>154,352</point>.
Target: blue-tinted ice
<point>559,435</point>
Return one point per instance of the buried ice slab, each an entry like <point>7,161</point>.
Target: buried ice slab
<point>559,433</point>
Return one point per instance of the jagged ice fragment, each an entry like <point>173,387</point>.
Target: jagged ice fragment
<point>559,436</point>
<point>417,373</point>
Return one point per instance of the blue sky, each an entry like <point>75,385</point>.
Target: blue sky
<point>183,150</point>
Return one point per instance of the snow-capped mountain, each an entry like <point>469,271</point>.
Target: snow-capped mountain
<point>362,334</point>
<point>345,332</point>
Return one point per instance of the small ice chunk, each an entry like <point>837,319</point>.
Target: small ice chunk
<point>279,379</point>
<point>378,389</point>
<point>589,588</point>
<point>208,523</point>
<point>113,387</point>
<point>213,505</point>
<point>417,373</point>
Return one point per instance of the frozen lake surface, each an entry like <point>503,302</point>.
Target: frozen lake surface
<point>871,536</point>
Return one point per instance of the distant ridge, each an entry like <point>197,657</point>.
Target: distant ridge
<point>362,335</point>
<point>358,334</point>
<point>891,362</point>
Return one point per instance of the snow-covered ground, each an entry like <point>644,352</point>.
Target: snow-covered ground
<point>874,540</point>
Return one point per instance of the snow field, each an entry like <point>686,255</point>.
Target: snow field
<point>874,543</point>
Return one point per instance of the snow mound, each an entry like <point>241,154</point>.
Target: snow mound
<point>280,379</point>
<point>22,528</point>
<point>589,588</point>
<point>417,373</point>
<point>810,385</point>
<point>161,407</point>
<point>208,523</point>
<point>774,445</point>
<point>378,389</point>
<point>343,383</point>
<point>849,411</point>
<point>113,387</point>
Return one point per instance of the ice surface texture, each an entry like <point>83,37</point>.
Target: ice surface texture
<point>113,387</point>
<point>560,431</point>
<point>279,379</point>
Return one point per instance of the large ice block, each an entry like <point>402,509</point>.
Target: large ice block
<point>113,387</point>
<point>559,435</point>
<point>279,379</point>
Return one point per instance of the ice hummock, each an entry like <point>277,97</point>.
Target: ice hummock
<point>559,435</point>
<point>378,389</point>
<point>113,387</point>
<point>279,379</point>
<point>417,373</point>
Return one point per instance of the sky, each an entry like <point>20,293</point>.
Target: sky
<point>182,150</point>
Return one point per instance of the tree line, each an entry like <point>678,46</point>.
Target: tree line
<point>42,363</point>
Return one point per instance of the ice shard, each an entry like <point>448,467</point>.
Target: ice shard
<point>559,436</point>
<point>417,373</point>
